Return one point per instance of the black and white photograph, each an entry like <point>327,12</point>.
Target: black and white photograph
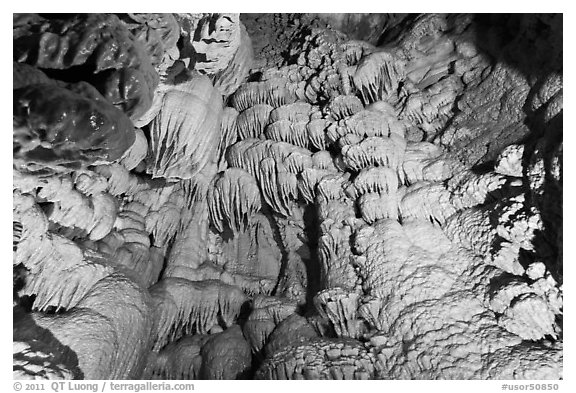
<point>286,196</point>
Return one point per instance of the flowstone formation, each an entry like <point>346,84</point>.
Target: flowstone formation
<point>287,196</point>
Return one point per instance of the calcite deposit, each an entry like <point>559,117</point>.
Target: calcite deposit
<point>287,196</point>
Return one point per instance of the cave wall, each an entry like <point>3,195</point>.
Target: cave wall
<point>287,196</point>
